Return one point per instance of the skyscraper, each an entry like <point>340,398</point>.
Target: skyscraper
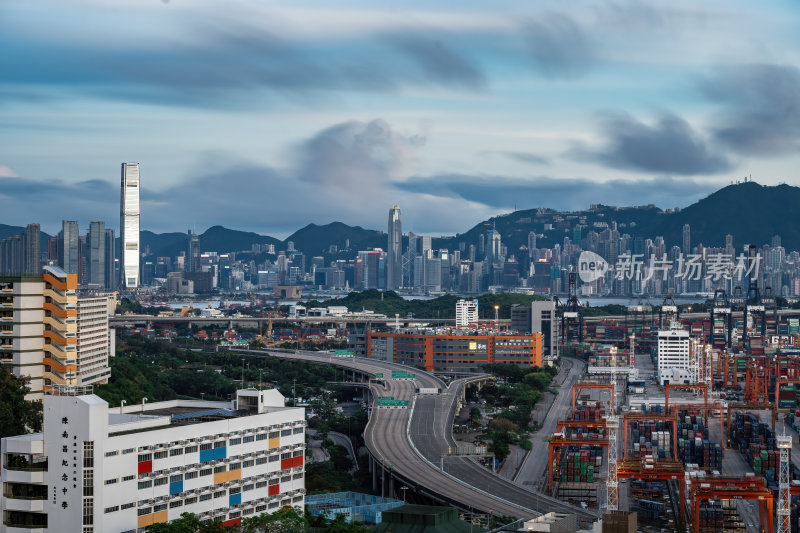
<point>96,240</point>
<point>110,245</point>
<point>31,249</point>
<point>687,240</point>
<point>394,275</point>
<point>129,225</point>
<point>68,239</point>
<point>193,252</point>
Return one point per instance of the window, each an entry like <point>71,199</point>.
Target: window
<point>205,446</point>
<point>235,490</point>
<point>190,501</point>
<point>175,478</point>
<point>261,484</point>
<point>145,484</point>
<point>261,508</point>
<point>235,441</point>
<point>160,455</point>
<point>111,509</point>
<point>159,507</point>
<point>175,451</point>
<point>191,475</point>
<point>286,479</point>
<point>205,497</point>
<point>274,435</point>
<point>249,438</point>
<point>273,482</point>
<point>128,450</point>
<point>247,488</point>
<point>235,514</point>
<point>261,460</point>
<point>88,454</point>
<point>219,444</point>
<point>298,476</point>
<point>248,463</point>
<point>145,457</point>
<point>205,472</point>
<point>273,505</point>
<point>160,481</point>
<point>176,503</point>
<point>286,432</point>
<point>127,505</point>
<point>88,483</point>
<point>144,510</point>
<point>218,469</point>
<point>128,478</point>
<point>274,458</point>
<point>219,494</point>
<point>190,449</point>
<point>297,431</point>
<point>111,481</point>
<point>235,466</point>
<point>261,436</point>
<point>112,454</point>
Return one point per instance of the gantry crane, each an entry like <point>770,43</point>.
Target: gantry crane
<point>691,386</point>
<point>732,488</point>
<point>661,470</point>
<point>644,417</point>
<point>580,386</point>
<point>559,440</point>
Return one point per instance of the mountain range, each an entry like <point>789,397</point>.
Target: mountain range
<point>752,213</point>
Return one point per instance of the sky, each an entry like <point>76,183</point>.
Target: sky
<point>269,115</point>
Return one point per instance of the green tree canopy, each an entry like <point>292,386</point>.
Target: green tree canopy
<point>17,415</point>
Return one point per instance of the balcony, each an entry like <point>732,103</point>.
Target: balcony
<point>22,464</point>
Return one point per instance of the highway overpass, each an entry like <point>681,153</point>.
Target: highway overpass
<point>408,444</point>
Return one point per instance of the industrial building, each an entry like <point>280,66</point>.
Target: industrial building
<point>452,351</point>
<point>50,335</point>
<point>674,365</point>
<point>96,468</point>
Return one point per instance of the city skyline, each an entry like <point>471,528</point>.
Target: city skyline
<point>450,115</point>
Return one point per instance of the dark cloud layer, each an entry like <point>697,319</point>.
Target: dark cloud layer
<point>760,113</point>
<point>669,146</point>
<point>570,194</point>
<point>559,47</point>
<point>439,62</point>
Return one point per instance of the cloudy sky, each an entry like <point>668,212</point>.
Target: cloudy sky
<point>267,115</point>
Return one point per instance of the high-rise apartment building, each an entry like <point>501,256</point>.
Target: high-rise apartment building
<point>466,313</point>
<point>96,241</point>
<point>68,239</point>
<point>129,225</point>
<point>40,337</point>
<point>97,469</point>
<point>31,248</point>
<point>394,260</point>
<point>544,321</point>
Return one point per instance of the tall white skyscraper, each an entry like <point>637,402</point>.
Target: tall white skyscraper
<point>129,225</point>
<point>394,274</point>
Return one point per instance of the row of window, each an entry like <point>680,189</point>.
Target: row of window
<point>202,497</point>
<point>284,455</point>
<point>258,434</point>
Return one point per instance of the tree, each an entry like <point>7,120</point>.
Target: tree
<point>284,520</point>
<point>17,415</point>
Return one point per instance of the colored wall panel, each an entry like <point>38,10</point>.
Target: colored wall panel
<point>234,499</point>
<point>274,443</point>
<point>176,487</point>
<point>145,467</point>
<point>274,490</point>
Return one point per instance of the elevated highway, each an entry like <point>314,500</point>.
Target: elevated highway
<point>408,444</point>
